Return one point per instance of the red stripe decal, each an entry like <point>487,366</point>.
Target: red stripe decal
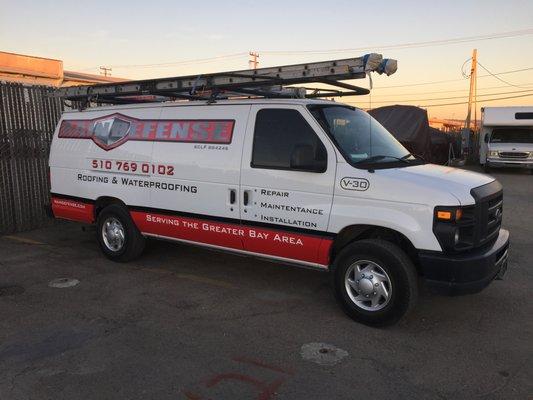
<point>73,210</point>
<point>196,230</point>
<point>266,241</point>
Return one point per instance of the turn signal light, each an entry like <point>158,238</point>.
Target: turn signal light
<point>450,215</point>
<point>444,215</point>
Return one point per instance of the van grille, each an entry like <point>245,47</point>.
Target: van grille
<point>491,212</point>
<point>481,222</point>
<point>513,154</point>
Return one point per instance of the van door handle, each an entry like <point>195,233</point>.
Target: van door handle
<point>245,202</point>
<point>232,196</point>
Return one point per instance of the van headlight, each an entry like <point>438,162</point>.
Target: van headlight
<point>494,153</point>
<point>452,225</point>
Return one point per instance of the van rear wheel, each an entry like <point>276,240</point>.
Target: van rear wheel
<point>375,282</point>
<point>119,238</point>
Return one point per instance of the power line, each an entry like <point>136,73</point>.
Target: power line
<point>495,76</point>
<point>466,102</point>
<point>449,98</point>
<point>446,98</point>
<point>429,43</point>
<point>499,98</point>
<point>464,39</point>
<point>174,63</point>
<point>451,80</point>
<point>444,91</point>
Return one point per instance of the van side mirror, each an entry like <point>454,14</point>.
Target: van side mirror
<point>303,159</point>
<point>486,138</point>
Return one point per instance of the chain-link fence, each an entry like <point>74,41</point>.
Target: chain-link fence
<point>28,117</point>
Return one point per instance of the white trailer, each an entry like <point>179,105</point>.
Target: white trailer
<point>506,138</point>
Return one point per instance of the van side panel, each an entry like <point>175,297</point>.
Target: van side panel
<point>95,153</point>
<point>178,170</point>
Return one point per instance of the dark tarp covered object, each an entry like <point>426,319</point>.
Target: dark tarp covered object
<point>410,125</point>
<point>440,146</point>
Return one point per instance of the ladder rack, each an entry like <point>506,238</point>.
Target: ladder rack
<point>268,82</point>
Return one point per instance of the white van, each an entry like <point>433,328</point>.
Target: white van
<point>506,138</point>
<point>308,182</point>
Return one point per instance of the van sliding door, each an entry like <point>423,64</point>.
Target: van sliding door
<point>194,189</point>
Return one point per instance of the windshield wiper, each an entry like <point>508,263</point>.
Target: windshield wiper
<point>381,157</point>
<point>413,155</point>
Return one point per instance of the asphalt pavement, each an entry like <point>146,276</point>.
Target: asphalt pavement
<point>189,323</point>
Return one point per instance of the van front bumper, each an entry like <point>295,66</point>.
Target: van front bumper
<point>468,272</point>
<point>510,163</point>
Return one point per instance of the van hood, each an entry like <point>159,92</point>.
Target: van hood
<point>455,181</point>
<point>511,146</point>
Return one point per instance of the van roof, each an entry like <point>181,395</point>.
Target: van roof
<point>508,116</point>
<point>197,103</point>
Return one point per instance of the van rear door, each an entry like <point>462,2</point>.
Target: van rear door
<point>287,180</point>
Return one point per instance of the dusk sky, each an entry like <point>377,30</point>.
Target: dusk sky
<point>128,35</point>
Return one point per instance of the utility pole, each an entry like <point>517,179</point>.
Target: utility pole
<point>105,71</point>
<point>253,62</point>
<point>467,136</point>
<point>472,97</point>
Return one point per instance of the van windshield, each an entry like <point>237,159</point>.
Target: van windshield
<point>512,135</point>
<point>361,138</point>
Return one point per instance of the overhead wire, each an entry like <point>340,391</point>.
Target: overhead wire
<point>466,102</point>
<point>451,97</point>
<point>451,80</point>
<point>497,77</point>
<point>464,39</point>
<point>444,91</point>
<point>483,101</point>
<point>490,74</point>
<point>428,43</point>
<point>175,63</point>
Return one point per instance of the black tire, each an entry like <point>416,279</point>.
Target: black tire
<point>486,168</point>
<point>133,242</point>
<point>403,289</point>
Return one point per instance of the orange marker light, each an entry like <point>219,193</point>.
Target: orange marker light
<point>458,214</point>
<point>444,215</point>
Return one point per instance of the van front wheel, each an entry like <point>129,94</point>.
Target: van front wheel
<point>119,238</point>
<point>375,282</point>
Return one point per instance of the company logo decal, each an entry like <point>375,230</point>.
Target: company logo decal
<point>498,214</point>
<point>359,184</point>
<point>113,130</point>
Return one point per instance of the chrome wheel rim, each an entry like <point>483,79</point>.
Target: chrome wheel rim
<point>368,285</point>
<point>113,234</point>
